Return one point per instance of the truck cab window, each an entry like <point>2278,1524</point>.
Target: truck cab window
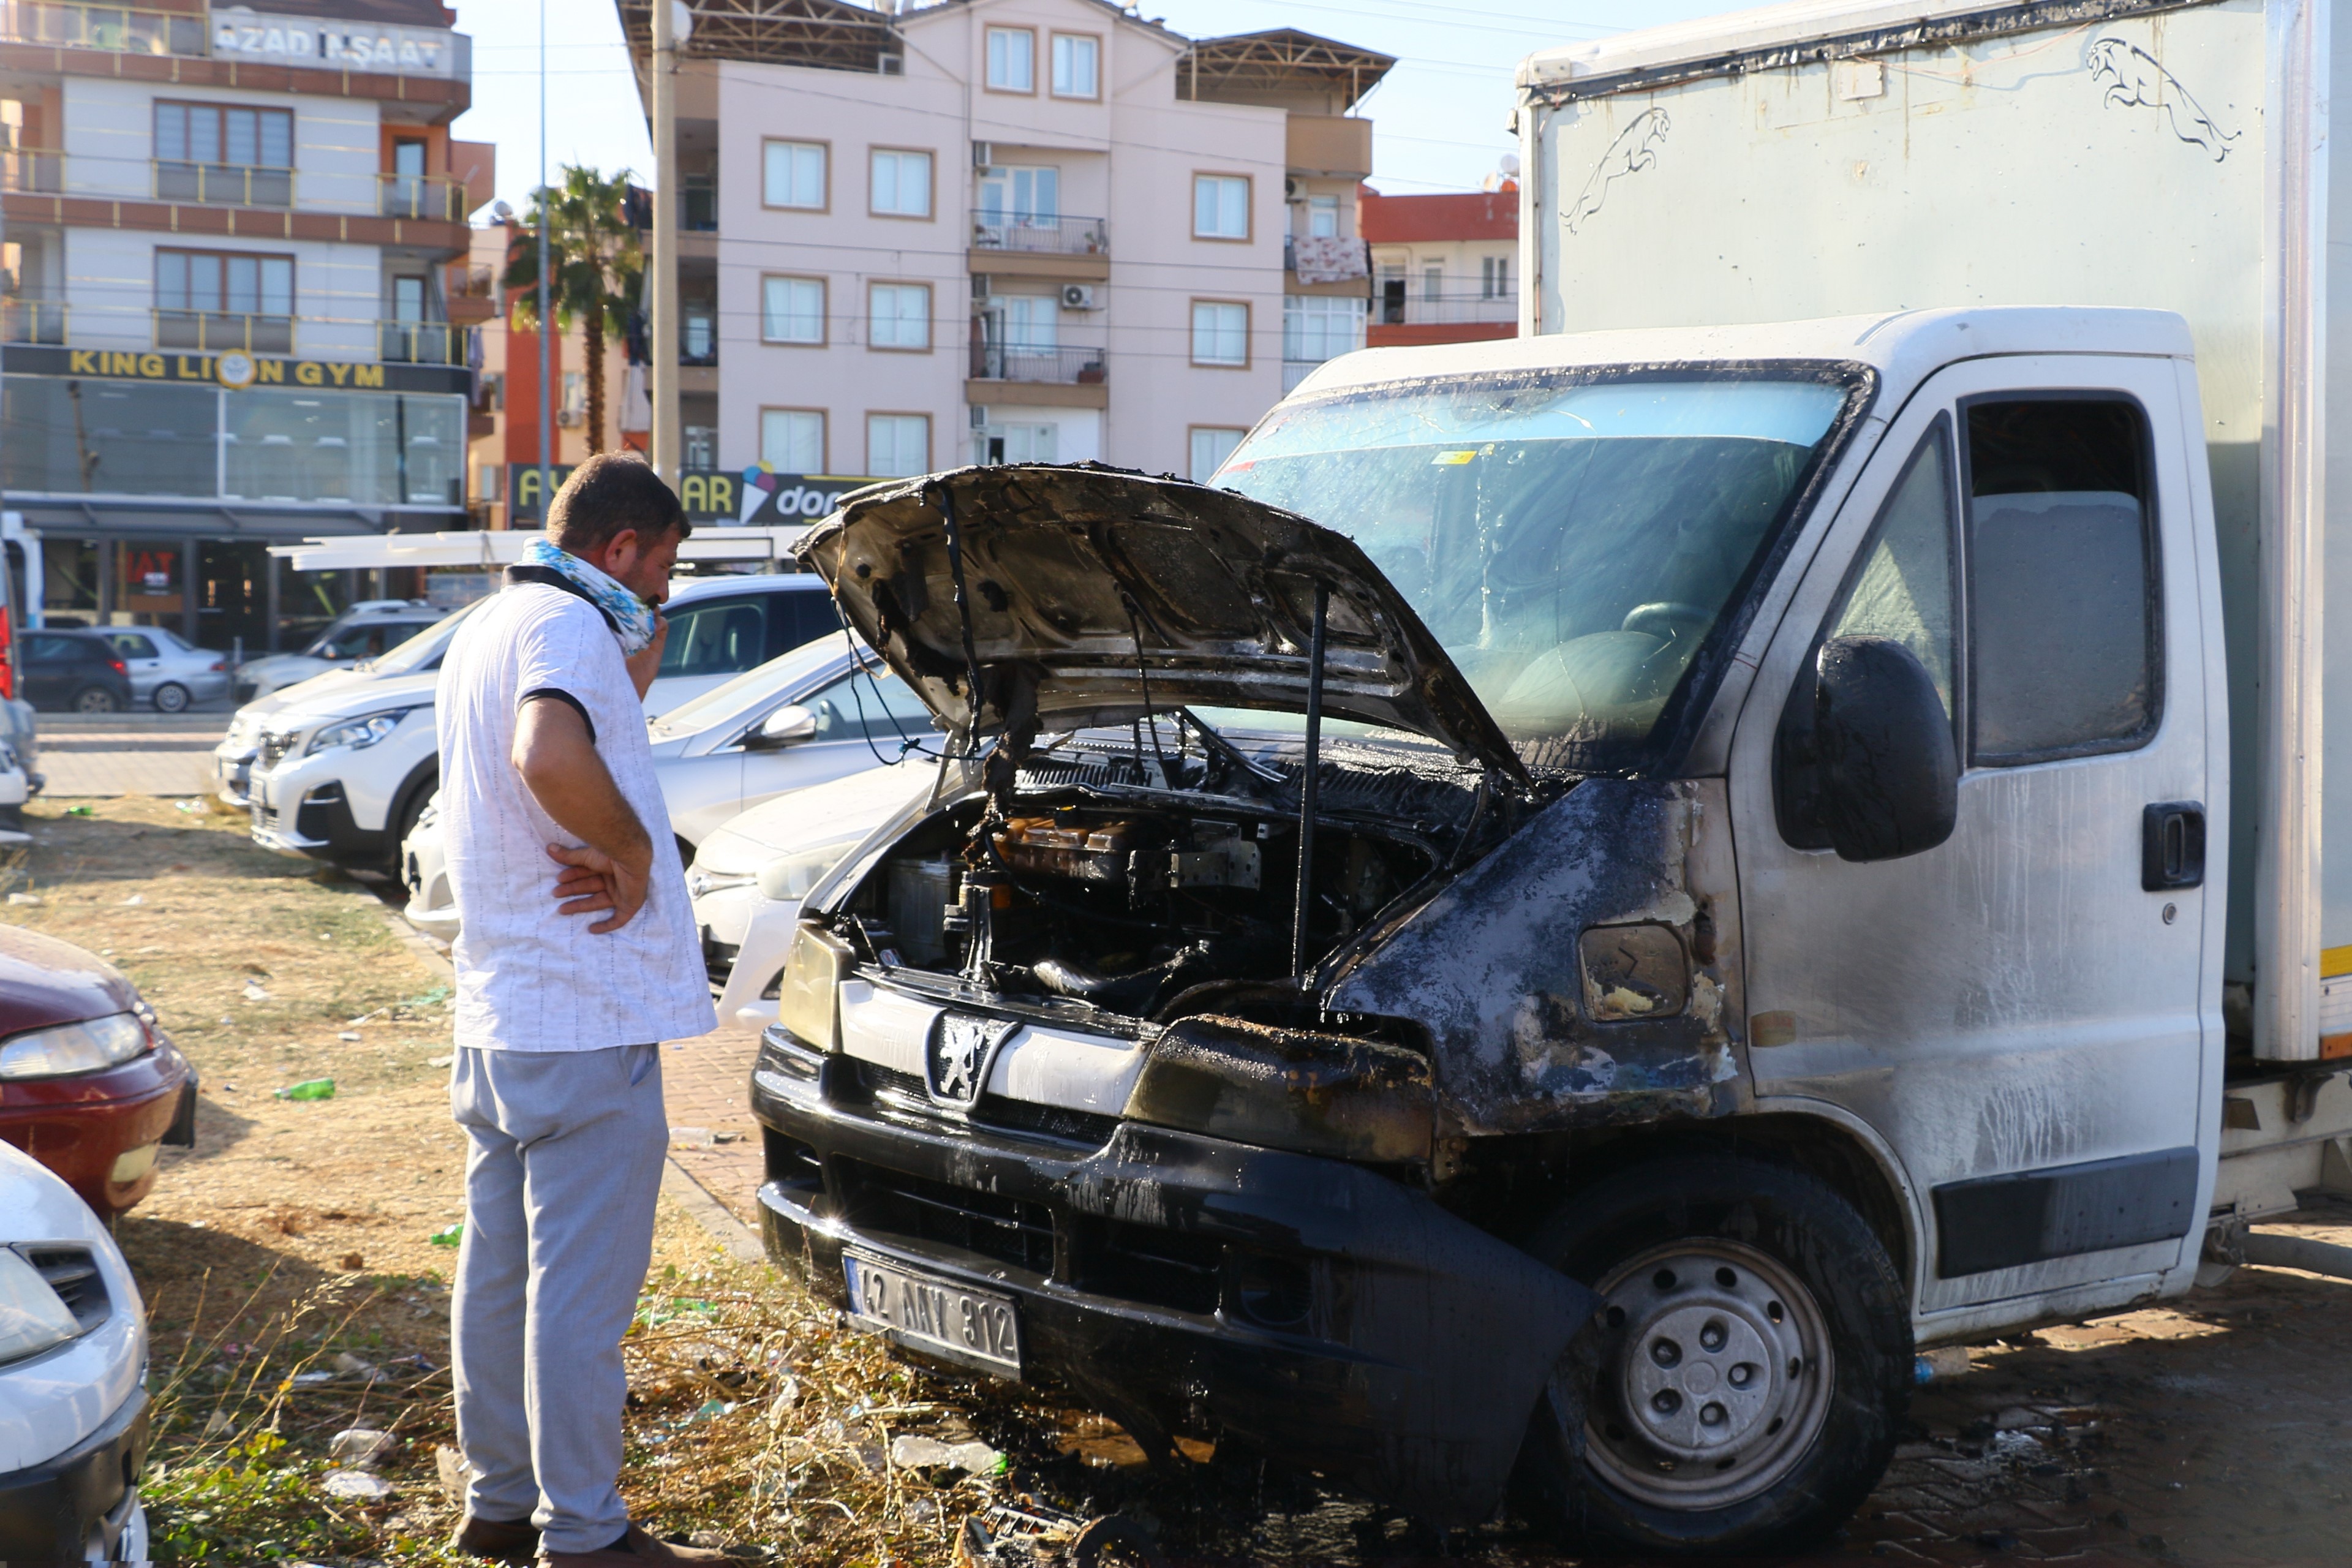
<point>2064,611</point>
<point>1904,589</point>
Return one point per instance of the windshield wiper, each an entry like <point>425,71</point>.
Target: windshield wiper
<point>1216,742</point>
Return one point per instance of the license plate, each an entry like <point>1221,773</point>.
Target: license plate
<point>927,1314</point>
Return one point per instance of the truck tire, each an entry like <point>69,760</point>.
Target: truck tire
<point>1746,1377</point>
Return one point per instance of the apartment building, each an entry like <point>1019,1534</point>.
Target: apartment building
<point>1443,266</point>
<point>997,230</point>
<point>233,300</point>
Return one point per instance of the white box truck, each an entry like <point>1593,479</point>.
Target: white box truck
<point>1529,942</point>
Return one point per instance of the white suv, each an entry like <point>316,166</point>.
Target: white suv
<point>74,1416</point>
<point>342,776</point>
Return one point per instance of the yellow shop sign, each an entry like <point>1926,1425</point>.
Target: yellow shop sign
<point>228,369</point>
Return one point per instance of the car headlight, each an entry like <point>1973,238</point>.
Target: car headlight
<point>789,878</point>
<point>805,1003</point>
<point>32,1316</point>
<point>700,883</point>
<point>86,1047</point>
<point>1288,1088</point>
<point>356,732</point>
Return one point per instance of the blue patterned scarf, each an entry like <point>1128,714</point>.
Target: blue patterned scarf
<point>632,618</point>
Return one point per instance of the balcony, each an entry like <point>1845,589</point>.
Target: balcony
<point>40,171</point>
<point>1445,310</point>
<point>26,321</point>
<point>217,331</point>
<point>114,29</point>
<point>698,204</point>
<point>697,338</point>
<point>424,198</point>
<point>420,342</point>
<point>223,185</point>
<point>1005,233</point>
<point>1038,365</point>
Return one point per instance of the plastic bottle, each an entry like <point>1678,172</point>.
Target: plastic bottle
<point>316,1088</point>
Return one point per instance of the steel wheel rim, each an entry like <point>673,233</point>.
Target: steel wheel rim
<point>171,699</point>
<point>1716,1376</point>
<point>95,702</point>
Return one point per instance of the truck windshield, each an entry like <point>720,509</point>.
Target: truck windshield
<point>1572,541</point>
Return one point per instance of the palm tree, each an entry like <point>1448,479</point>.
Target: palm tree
<point>594,260</point>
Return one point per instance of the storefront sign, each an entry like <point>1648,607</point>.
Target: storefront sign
<point>381,49</point>
<point>238,371</point>
<point>757,496</point>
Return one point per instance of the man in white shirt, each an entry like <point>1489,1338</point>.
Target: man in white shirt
<point>576,957</point>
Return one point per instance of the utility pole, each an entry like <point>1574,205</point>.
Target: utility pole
<point>546,327</point>
<point>667,190</point>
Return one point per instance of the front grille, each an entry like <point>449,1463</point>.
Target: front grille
<point>1010,1230</point>
<point>904,1092</point>
<point>718,958</point>
<point>73,1274</point>
<point>274,748</point>
<point>1147,1264</point>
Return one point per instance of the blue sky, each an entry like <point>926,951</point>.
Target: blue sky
<point>1439,119</point>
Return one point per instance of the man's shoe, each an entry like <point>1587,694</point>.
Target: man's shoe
<point>499,1540</point>
<point>633,1550</point>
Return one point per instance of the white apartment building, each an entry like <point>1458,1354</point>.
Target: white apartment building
<point>997,230</point>
<point>228,298</point>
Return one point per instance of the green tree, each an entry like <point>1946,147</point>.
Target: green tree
<point>593,262</point>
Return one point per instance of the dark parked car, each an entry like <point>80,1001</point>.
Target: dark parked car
<point>88,1085</point>
<point>74,672</point>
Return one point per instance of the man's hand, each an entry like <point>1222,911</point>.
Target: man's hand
<point>593,881</point>
<point>645,663</point>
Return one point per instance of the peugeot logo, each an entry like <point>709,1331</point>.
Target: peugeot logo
<point>961,1049</point>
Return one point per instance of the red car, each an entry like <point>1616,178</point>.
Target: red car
<point>88,1085</point>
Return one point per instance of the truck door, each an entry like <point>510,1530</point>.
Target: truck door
<point>2016,1013</point>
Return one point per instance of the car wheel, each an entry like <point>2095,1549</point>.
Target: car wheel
<point>95,700</point>
<point>1747,1373</point>
<point>405,823</point>
<point>170,697</point>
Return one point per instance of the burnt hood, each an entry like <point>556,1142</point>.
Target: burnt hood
<point>1096,592</point>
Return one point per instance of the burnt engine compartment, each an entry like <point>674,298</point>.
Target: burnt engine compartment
<point>1157,887</point>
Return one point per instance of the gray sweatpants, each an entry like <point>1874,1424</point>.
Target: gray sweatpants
<point>561,1183</point>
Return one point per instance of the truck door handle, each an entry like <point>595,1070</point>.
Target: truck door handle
<point>2172,844</point>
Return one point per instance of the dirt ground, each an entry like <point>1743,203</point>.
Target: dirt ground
<point>295,1290</point>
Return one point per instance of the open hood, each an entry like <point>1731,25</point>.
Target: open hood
<point>1096,593</point>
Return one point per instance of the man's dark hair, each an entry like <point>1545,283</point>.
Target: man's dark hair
<point>609,493</point>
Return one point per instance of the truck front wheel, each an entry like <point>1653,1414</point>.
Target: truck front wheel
<point>1746,1376</point>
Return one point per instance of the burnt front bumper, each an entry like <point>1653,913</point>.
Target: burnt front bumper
<point>1312,1310</point>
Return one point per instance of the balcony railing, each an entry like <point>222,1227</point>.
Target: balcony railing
<point>217,331</point>
<point>116,29</point>
<point>1050,366</point>
<point>1445,310</point>
<point>41,171</point>
<point>420,342</point>
<point>698,208</point>
<point>429,198</point>
<point>24,321</point>
<point>1040,236</point>
<point>223,185</point>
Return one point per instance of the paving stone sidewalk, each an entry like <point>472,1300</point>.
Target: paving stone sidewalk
<point>706,1083</point>
<point>128,753</point>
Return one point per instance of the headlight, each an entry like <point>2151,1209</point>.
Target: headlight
<point>789,876</point>
<point>32,1318</point>
<point>699,882</point>
<point>806,1002</point>
<point>85,1047</point>
<point>1288,1089</point>
<point>356,732</point>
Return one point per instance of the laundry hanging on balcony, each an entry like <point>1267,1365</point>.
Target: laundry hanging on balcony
<point>1329,258</point>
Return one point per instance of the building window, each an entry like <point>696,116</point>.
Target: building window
<point>792,440</point>
<point>1495,277</point>
<point>1220,333</point>
<point>897,445</point>
<point>902,183</point>
<point>1432,284</point>
<point>1211,448</point>
<point>792,309</point>
<point>1032,323</point>
<point>1317,327</point>
<point>1075,59</point>
<point>898,316</point>
<point>698,445</point>
<point>220,153</point>
<point>1020,197</point>
<point>217,300</point>
<point>1014,444</point>
<point>1323,217</point>
<point>1012,59</point>
<point>1221,206</point>
<point>792,174</point>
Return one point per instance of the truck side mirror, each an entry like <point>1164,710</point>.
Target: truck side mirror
<point>1886,774</point>
<point>787,726</point>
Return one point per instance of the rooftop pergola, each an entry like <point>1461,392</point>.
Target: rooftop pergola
<point>1281,60</point>
<point>830,35</point>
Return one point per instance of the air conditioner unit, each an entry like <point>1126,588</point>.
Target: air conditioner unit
<point>1289,189</point>
<point>890,65</point>
<point>980,416</point>
<point>1078,296</point>
<point>570,416</point>
<point>983,154</point>
<point>983,285</point>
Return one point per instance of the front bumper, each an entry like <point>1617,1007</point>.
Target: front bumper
<point>293,817</point>
<point>52,1511</point>
<point>100,1132</point>
<point>233,768</point>
<point>746,937</point>
<point>1312,1310</point>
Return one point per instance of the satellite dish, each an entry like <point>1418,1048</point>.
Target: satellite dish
<point>681,21</point>
<point>501,211</point>
<point>1510,165</point>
